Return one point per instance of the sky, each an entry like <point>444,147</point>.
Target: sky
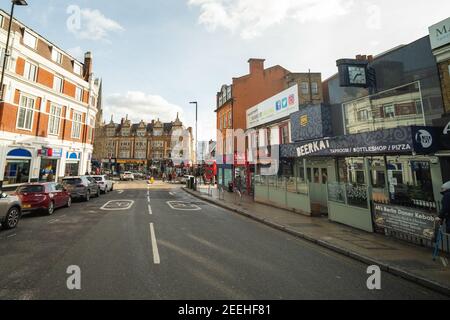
<point>156,56</point>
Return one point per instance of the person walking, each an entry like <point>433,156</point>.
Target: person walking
<point>444,215</point>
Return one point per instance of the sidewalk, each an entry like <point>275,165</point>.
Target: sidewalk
<point>394,256</point>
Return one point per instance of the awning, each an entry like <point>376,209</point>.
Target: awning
<point>395,141</point>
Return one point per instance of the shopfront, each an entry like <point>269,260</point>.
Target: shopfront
<point>18,167</point>
<point>72,167</point>
<point>49,165</point>
<point>394,167</point>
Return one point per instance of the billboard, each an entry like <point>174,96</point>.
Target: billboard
<point>277,107</point>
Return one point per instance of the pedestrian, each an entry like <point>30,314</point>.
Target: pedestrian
<point>445,211</point>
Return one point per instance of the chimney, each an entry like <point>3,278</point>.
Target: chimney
<point>87,65</point>
<point>256,65</point>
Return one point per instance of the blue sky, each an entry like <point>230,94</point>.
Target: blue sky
<point>155,56</point>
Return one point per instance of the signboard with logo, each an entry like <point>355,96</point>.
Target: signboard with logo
<point>311,122</point>
<point>409,221</point>
<point>401,140</point>
<point>275,108</point>
<point>440,34</point>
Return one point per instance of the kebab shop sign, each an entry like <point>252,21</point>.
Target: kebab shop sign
<point>414,222</point>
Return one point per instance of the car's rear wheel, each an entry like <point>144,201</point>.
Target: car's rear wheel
<point>51,208</point>
<point>12,218</point>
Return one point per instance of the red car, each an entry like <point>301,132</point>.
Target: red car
<point>43,196</point>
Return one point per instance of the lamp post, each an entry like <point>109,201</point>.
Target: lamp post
<point>196,128</point>
<point>7,54</point>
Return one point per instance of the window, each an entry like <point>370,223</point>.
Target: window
<point>79,94</point>
<point>30,71</point>
<point>29,40</point>
<point>54,119</point>
<point>1,21</point>
<point>363,115</point>
<point>76,125</point>
<point>230,123</point>
<point>284,130</point>
<point>77,68</point>
<point>25,114</point>
<point>57,56</point>
<point>305,87</point>
<point>314,88</point>
<point>389,111</point>
<point>58,84</point>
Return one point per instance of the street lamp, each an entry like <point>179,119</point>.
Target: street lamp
<point>7,54</point>
<point>196,128</point>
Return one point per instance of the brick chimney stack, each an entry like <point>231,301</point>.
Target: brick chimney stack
<point>256,65</point>
<point>88,65</point>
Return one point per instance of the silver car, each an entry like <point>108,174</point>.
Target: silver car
<point>10,211</point>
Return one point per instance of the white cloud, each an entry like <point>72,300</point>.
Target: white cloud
<point>91,24</point>
<point>140,106</point>
<point>250,18</point>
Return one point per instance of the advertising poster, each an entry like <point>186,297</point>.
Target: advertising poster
<point>410,221</point>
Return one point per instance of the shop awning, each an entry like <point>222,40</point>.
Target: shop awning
<point>401,140</point>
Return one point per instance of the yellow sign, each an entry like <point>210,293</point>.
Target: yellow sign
<point>304,120</point>
<point>132,162</point>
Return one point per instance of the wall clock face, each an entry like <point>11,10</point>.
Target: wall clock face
<point>357,75</point>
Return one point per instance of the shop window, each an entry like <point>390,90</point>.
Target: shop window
<point>410,182</point>
<point>17,171</point>
<point>47,172</point>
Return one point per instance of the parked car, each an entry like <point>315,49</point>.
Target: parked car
<point>43,197</point>
<point>105,183</point>
<point>10,211</point>
<point>83,187</point>
<point>127,176</point>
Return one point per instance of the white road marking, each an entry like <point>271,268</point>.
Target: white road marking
<point>156,259</point>
<point>150,210</point>
<point>11,235</point>
<point>444,262</point>
<point>148,199</point>
<point>53,221</point>
<point>120,191</point>
<point>121,205</point>
<point>183,206</point>
<point>172,194</point>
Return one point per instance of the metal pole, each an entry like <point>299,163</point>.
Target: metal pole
<point>5,58</point>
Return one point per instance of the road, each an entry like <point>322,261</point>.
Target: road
<point>170,245</point>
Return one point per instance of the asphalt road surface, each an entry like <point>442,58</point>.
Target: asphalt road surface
<point>161,243</point>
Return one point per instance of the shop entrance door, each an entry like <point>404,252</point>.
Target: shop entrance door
<point>318,176</point>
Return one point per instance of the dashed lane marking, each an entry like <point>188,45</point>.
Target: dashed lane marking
<point>150,212</point>
<point>156,259</point>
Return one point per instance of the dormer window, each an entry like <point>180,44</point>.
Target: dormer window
<point>77,68</point>
<point>57,56</point>
<point>29,40</point>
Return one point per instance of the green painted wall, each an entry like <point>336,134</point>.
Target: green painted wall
<point>352,216</point>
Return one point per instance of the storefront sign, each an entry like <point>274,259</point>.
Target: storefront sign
<point>440,34</point>
<point>277,107</point>
<point>410,221</point>
<point>57,153</point>
<point>402,140</point>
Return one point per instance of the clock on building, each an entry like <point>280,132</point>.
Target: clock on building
<point>357,75</point>
<point>353,73</point>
